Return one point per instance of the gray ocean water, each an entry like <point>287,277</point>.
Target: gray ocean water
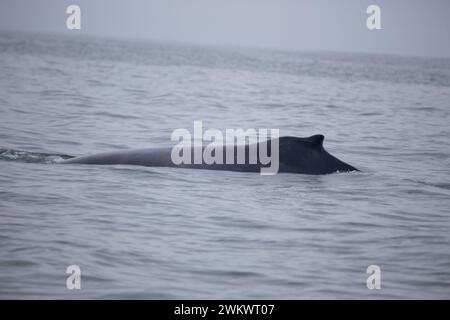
<point>140,232</point>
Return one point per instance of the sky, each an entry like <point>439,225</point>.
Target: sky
<point>408,27</point>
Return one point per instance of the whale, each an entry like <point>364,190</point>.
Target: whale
<point>296,155</point>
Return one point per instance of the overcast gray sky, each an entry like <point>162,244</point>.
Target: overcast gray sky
<point>413,27</point>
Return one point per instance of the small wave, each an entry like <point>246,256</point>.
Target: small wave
<point>115,115</point>
<point>425,108</point>
<point>31,157</point>
<point>441,185</point>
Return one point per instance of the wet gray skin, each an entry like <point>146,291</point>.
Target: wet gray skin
<point>296,155</point>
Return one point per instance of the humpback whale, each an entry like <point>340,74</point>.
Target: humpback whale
<point>296,155</point>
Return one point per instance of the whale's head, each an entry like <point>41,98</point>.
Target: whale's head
<point>307,155</point>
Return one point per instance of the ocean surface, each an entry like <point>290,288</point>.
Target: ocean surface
<point>138,232</point>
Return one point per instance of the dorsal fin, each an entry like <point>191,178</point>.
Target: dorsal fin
<point>316,139</point>
<point>313,141</point>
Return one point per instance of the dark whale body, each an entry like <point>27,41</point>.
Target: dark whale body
<point>296,155</point>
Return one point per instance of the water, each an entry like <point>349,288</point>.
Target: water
<point>141,232</point>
